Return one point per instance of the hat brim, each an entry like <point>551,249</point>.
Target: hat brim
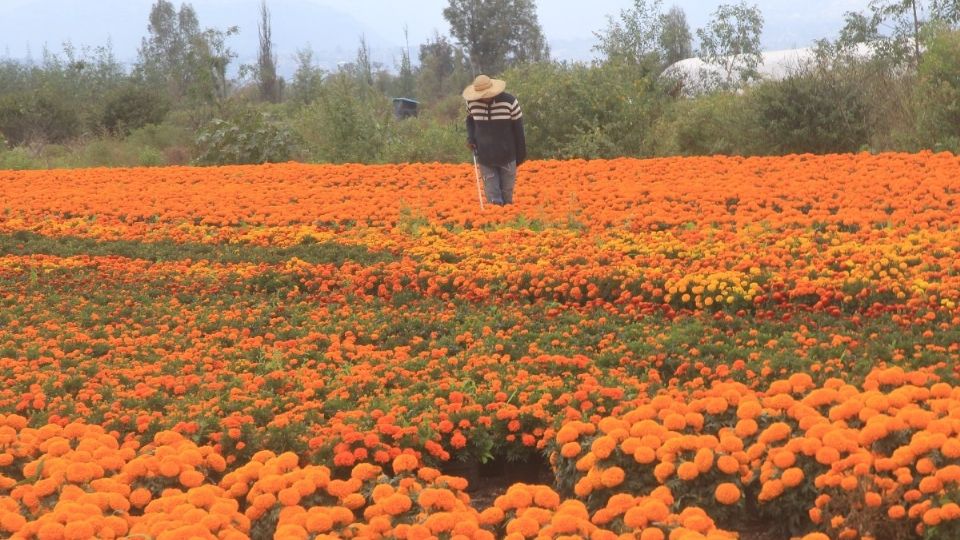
<point>497,86</point>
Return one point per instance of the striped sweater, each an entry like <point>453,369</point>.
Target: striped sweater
<point>496,129</point>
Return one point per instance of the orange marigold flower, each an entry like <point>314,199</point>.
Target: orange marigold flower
<point>652,533</point>
<point>727,493</point>
<point>687,471</point>
<point>792,477</point>
<point>404,463</point>
<point>570,450</point>
<point>612,477</point>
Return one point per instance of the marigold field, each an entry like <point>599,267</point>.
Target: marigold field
<point>693,347</point>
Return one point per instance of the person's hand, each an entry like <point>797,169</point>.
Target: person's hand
<point>472,147</point>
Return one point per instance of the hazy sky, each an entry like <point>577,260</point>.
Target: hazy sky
<point>332,28</point>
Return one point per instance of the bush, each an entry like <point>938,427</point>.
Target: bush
<point>161,136</point>
<point>585,111</point>
<point>819,111</point>
<point>719,123</point>
<point>249,136</point>
<point>938,92</point>
<point>130,108</point>
<point>17,159</point>
<point>36,117</point>
<point>347,123</point>
<point>418,140</point>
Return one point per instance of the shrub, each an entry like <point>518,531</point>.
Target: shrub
<point>938,92</point>
<point>17,159</point>
<point>588,111</point>
<point>132,107</point>
<point>719,123</point>
<point>418,140</point>
<point>817,111</point>
<point>28,117</point>
<point>347,123</point>
<point>248,136</point>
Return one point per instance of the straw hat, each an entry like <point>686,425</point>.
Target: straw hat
<point>483,87</point>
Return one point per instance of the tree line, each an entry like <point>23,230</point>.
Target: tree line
<point>178,104</point>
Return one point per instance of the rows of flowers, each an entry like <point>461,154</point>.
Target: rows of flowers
<point>697,347</point>
<point>878,461</point>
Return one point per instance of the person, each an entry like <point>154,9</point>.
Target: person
<point>495,135</point>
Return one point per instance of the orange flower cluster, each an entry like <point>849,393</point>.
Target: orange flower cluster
<point>535,511</point>
<point>851,189</point>
<point>298,351</point>
<point>863,461</point>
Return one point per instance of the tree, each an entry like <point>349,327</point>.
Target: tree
<point>363,66</point>
<point>675,40</point>
<point>906,18</point>
<point>308,79</point>
<point>406,84</point>
<point>858,28</point>
<point>731,40</point>
<point>497,33</point>
<point>164,51</point>
<point>183,59</point>
<point>442,65</point>
<point>266,60</point>
<point>634,38</point>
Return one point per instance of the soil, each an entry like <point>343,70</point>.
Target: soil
<point>487,481</point>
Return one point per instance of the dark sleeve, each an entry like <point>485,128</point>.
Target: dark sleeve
<point>518,136</point>
<point>471,131</point>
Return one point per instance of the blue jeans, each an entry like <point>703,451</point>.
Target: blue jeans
<point>498,182</point>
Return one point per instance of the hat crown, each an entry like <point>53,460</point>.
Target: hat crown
<point>482,83</point>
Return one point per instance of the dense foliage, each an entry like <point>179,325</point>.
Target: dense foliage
<point>80,107</point>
